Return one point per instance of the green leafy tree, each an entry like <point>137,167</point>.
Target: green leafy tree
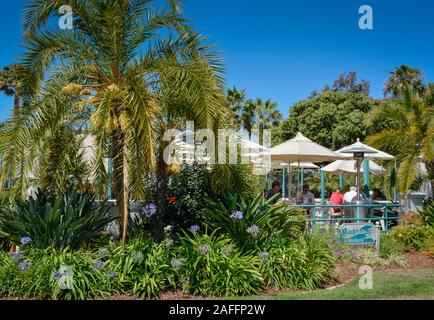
<point>332,119</point>
<point>9,84</point>
<point>136,65</point>
<point>236,99</point>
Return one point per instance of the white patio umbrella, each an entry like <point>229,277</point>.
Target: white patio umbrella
<point>374,154</point>
<point>350,167</point>
<point>301,149</point>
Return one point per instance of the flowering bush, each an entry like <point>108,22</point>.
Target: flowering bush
<point>50,274</point>
<point>254,224</point>
<point>211,265</point>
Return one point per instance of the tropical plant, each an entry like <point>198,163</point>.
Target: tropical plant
<point>136,66</point>
<point>235,98</point>
<point>411,139</point>
<point>254,224</point>
<point>402,77</point>
<point>306,263</point>
<point>69,220</point>
<point>427,212</point>
<point>211,265</point>
<point>142,266</point>
<point>260,114</point>
<point>48,273</point>
<point>9,85</point>
<point>412,232</point>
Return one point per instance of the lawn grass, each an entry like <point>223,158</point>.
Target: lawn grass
<point>390,284</point>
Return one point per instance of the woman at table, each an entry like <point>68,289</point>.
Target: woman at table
<point>305,196</point>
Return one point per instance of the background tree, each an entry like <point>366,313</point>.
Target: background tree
<point>236,99</point>
<point>9,79</point>
<point>332,119</point>
<point>400,78</point>
<point>346,83</point>
<point>411,137</point>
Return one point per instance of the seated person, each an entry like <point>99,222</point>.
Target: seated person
<point>305,196</point>
<point>337,199</point>
<point>275,189</point>
<point>377,195</point>
<point>351,196</point>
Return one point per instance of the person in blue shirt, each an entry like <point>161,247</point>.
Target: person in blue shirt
<point>275,189</point>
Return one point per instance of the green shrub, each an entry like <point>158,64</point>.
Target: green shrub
<point>42,274</point>
<point>427,212</point>
<point>211,265</point>
<point>70,220</point>
<point>142,266</point>
<point>412,236</point>
<point>254,224</point>
<point>390,246</point>
<point>305,263</point>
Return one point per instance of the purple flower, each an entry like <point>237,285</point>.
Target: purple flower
<point>24,265</point>
<point>263,255</point>
<point>176,263</point>
<point>98,264</point>
<point>57,275</point>
<point>237,216</point>
<point>195,228</point>
<point>253,230</point>
<point>16,256</point>
<point>25,240</point>
<point>204,249</point>
<point>149,210</point>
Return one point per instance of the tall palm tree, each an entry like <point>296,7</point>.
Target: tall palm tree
<point>235,99</point>
<point>131,63</point>
<point>260,113</point>
<point>9,85</point>
<point>400,78</point>
<point>413,136</point>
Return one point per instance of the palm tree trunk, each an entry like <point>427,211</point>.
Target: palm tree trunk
<point>121,180</point>
<point>16,105</point>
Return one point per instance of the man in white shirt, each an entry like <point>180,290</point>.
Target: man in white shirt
<point>350,195</point>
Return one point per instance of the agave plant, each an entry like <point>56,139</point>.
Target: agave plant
<point>70,220</point>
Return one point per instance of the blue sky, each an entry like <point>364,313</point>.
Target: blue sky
<point>284,49</point>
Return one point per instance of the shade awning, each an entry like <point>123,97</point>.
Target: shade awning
<point>302,149</point>
<point>349,167</point>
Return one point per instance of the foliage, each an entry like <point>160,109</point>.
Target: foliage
<point>390,246</point>
<point>305,263</point>
<point>258,222</point>
<point>142,266</point>
<point>213,266</point>
<point>332,119</point>
<point>427,212</point>
<point>346,83</point>
<point>411,232</point>
<point>69,220</point>
<point>38,274</point>
<point>400,78</point>
<point>130,65</point>
<point>185,199</point>
<point>411,138</point>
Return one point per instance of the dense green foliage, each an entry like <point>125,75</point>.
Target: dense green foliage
<point>332,119</point>
<point>69,220</point>
<point>212,265</point>
<point>253,224</point>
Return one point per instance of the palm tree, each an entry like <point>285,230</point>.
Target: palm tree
<point>235,99</point>
<point>400,78</point>
<point>9,85</point>
<point>262,114</point>
<point>134,66</point>
<point>411,138</point>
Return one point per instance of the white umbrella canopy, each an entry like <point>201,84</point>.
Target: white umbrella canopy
<point>301,149</point>
<point>349,167</point>
<point>373,155</point>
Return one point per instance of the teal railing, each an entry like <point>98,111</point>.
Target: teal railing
<point>389,215</point>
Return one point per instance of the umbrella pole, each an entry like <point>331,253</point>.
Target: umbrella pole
<point>366,179</point>
<point>283,182</point>
<point>395,194</point>
<point>289,179</point>
<point>358,188</point>
<point>298,177</point>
